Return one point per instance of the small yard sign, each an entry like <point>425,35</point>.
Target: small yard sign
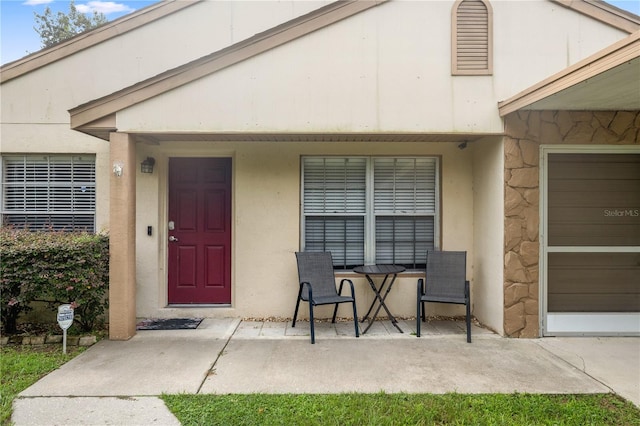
<point>65,319</point>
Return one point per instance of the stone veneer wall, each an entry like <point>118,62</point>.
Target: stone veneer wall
<point>525,131</point>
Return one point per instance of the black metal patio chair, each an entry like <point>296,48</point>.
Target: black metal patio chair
<point>445,283</point>
<point>318,287</point>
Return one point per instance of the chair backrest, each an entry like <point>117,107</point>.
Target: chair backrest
<point>446,273</point>
<point>316,268</point>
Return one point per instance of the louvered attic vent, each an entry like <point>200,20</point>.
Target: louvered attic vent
<point>471,38</point>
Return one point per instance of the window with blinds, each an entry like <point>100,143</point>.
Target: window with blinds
<point>49,192</point>
<point>370,209</point>
<point>471,38</point>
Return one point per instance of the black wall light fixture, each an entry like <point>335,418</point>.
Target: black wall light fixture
<point>147,165</point>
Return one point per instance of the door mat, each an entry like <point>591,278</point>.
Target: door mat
<point>169,324</point>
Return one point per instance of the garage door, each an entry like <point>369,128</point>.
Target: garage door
<point>591,242</point>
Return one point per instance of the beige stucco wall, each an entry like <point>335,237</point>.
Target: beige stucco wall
<point>46,94</point>
<point>368,74</point>
<point>488,211</point>
<point>266,223</point>
<point>34,108</point>
<point>543,39</point>
<point>122,239</point>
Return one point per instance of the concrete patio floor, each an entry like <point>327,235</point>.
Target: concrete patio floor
<point>117,382</point>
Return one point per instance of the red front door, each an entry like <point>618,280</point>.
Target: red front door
<point>199,230</point>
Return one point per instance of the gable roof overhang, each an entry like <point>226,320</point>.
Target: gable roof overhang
<point>608,80</point>
<point>605,12</point>
<point>597,9</point>
<point>98,116</point>
<point>91,38</point>
<point>605,81</point>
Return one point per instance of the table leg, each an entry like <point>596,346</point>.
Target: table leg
<point>376,292</point>
<point>381,303</point>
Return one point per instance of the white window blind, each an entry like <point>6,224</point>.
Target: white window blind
<point>405,206</point>
<point>404,185</point>
<point>334,208</point>
<point>370,209</point>
<point>42,192</point>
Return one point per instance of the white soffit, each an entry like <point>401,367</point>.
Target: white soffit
<point>615,89</point>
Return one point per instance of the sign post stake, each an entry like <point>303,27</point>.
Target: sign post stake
<point>65,319</point>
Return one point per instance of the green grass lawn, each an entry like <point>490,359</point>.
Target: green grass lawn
<point>22,366</point>
<point>402,409</point>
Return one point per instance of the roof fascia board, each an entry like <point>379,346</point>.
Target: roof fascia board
<point>604,12</point>
<point>108,122</point>
<point>101,128</point>
<point>614,55</point>
<point>221,59</point>
<point>91,38</point>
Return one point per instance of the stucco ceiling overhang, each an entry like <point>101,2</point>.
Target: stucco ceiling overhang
<point>608,80</point>
<point>156,138</point>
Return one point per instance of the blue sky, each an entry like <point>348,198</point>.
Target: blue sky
<point>18,38</point>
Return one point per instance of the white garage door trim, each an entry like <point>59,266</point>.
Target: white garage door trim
<point>580,323</point>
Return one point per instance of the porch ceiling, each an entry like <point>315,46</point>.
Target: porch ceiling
<point>615,89</point>
<point>309,137</point>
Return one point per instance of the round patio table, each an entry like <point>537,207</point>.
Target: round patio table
<point>386,271</point>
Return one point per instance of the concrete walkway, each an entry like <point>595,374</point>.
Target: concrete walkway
<point>119,382</point>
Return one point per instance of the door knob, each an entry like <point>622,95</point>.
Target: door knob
<point>172,238</point>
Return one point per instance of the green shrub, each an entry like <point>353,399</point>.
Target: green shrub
<point>56,268</point>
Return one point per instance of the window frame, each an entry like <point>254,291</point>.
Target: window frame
<point>370,215</point>
<point>60,199</point>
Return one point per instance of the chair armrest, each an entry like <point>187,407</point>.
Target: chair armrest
<point>342,281</point>
<point>420,287</point>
